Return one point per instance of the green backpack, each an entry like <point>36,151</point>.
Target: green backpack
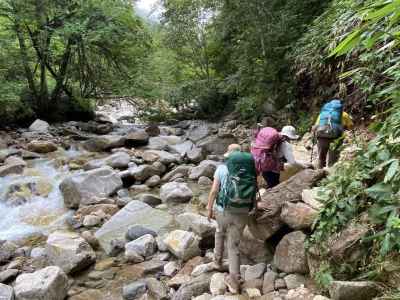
<point>240,188</point>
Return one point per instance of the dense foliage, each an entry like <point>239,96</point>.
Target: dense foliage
<point>366,190</point>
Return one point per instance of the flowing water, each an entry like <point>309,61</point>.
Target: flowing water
<point>43,210</point>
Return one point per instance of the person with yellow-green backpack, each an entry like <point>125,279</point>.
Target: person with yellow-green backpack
<point>328,130</point>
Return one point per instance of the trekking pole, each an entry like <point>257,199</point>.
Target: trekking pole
<point>312,147</point>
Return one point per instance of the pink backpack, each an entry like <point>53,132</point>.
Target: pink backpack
<point>265,150</point>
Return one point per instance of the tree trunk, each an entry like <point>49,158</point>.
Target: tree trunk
<point>63,72</point>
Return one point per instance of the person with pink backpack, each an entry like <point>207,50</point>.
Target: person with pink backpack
<point>271,149</point>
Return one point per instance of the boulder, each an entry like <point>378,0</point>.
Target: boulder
<point>143,172</point>
<point>14,168</point>
<point>39,126</point>
<point>6,292</point>
<point>118,160</point>
<point>69,251</point>
<point>91,221</point>
<point>150,199</point>
<point>49,283</point>
<point>157,289</point>
<point>134,290</point>
<point>269,282</point>
<point>300,293</point>
<point>103,118</point>
<point>25,190</point>
<point>289,191</point>
<point>309,197</point>
<point>137,138</point>
<point>79,189</point>
<point>197,224</point>
<point>215,144</point>
<point>145,245</point>
<point>171,268</point>
<point>8,275</point>
<point>298,215</point>
<point>255,272</point>
<point>183,169</point>
<point>205,168</point>
<point>164,157</point>
<point>290,254</point>
<point>354,290</point>
<point>136,231</point>
<point>104,143</point>
<point>134,213</point>
<point>162,142</point>
<point>294,281</point>
<point>193,287</point>
<point>217,284</point>
<point>253,250</point>
<point>199,131</point>
<point>175,192</point>
<point>41,146</point>
<point>182,244</point>
<point>195,155</point>
<point>204,181</point>
<point>153,130</point>
<point>153,181</point>
<point>181,149</point>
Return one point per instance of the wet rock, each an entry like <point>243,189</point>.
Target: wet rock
<point>145,245</point>
<point>134,290</point>
<point>118,160</point>
<point>150,199</point>
<point>80,188</point>
<point>175,192</point>
<point>103,118</point>
<point>24,190</point>
<point>198,131</point>
<point>183,170</point>
<point>269,282</point>
<point>290,254</point>
<point>255,272</point>
<point>300,293</point>
<point>153,130</point>
<point>309,197</point>
<point>41,146</point>
<point>137,138</point>
<point>298,215</point>
<point>136,231</point>
<point>104,143</point>
<point>217,284</point>
<point>197,223</point>
<point>153,181</point>
<point>134,213</point>
<point>182,244</point>
<point>49,283</point>
<point>6,292</point>
<point>204,181</point>
<point>8,275</point>
<point>7,251</point>
<point>39,126</point>
<point>195,155</point>
<point>69,251</point>
<point>157,289</point>
<point>10,169</point>
<point>294,281</point>
<point>354,290</point>
<point>205,168</point>
<point>171,268</point>
<point>193,288</point>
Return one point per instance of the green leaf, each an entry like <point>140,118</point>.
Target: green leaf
<point>381,13</point>
<point>392,171</point>
<point>347,44</point>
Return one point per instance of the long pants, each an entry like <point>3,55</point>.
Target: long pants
<point>325,150</point>
<point>271,178</point>
<point>230,227</point>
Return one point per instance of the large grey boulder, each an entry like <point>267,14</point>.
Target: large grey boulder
<point>118,160</point>
<point>183,244</point>
<point>162,142</point>
<point>197,224</point>
<point>182,169</point>
<point>134,213</point>
<point>49,283</point>
<point>194,287</point>
<point>181,149</point>
<point>69,251</point>
<point>354,290</point>
<point>178,192</point>
<point>298,215</point>
<point>104,143</point>
<point>137,138</point>
<point>41,147</point>
<point>6,292</point>
<point>136,231</point>
<point>39,126</point>
<point>12,168</point>
<point>144,246</point>
<point>81,188</point>
<point>142,172</point>
<point>134,290</point>
<point>205,168</point>
<point>215,144</point>
<point>290,254</point>
<point>198,131</point>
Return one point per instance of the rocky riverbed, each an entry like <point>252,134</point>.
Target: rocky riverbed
<point>105,210</point>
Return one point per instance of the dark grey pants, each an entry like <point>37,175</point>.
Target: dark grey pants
<point>325,150</point>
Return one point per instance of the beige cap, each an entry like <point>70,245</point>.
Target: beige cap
<point>232,148</point>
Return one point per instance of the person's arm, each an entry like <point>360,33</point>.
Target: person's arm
<point>347,121</point>
<point>315,126</point>
<point>287,152</point>
<point>211,198</point>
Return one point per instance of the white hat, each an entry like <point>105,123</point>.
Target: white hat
<point>290,132</point>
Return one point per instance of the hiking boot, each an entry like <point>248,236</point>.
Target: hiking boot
<point>232,283</point>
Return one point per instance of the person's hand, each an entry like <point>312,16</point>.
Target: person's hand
<point>210,215</point>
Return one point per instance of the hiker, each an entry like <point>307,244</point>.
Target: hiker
<point>328,129</point>
<point>271,149</point>
<point>231,198</point>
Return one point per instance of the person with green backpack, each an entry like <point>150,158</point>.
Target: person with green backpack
<point>328,129</point>
<point>231,199</point>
